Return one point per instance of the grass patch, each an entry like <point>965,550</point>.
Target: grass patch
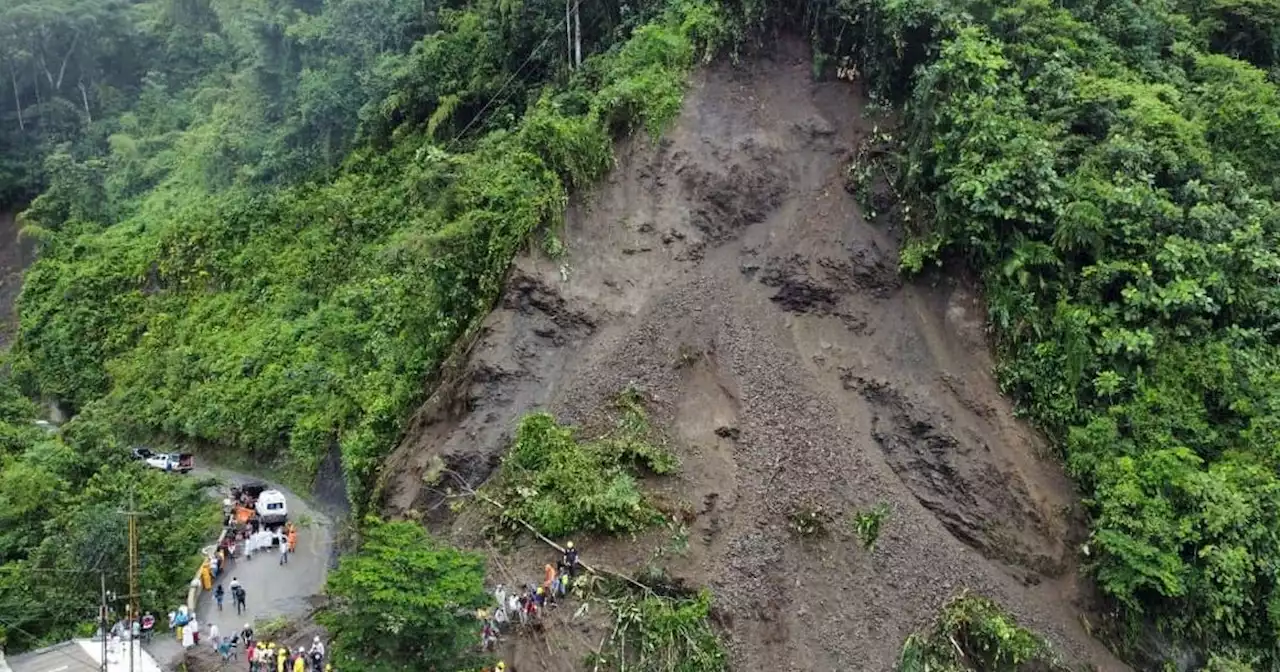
<point>562,484</point>
<point>866,525</point>
<point>975,634</point>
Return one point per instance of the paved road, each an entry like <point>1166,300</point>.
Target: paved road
<point>272,590</point>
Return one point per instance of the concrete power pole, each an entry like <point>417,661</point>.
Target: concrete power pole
<point>133,613</point>
<point>103,617</point>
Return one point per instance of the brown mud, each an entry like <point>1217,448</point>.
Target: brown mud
<point>726,272</point>
<point>14,257</point>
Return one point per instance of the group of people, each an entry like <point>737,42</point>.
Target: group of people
<point>527,604</point>
<point>237,595</point>
<point>272,658</point>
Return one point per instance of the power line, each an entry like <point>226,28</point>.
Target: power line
<point>547,39</point>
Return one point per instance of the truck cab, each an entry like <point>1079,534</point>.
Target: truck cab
<point>179,462</point>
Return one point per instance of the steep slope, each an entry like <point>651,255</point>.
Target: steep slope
<point>727,273</point>
<point>14,256</point>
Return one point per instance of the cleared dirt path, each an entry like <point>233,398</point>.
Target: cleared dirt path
<point>272,590</point>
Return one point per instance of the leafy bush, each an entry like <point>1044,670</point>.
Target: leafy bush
<point>404,601</point>
<point>653,633</point>
<point>974,634</point>
<point>562,485</point>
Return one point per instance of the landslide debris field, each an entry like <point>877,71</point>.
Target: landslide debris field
<point>726,272</point>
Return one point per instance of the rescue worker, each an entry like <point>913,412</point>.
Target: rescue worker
<point>571,560</point>
<point>300,661</point>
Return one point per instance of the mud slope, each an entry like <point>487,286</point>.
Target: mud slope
<point>727,272</point>
<point>14,256</point>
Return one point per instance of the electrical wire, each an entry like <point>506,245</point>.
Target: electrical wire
<point>514,75</point>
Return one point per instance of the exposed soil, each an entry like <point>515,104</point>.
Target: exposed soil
<point>14,257</point>
<point>726,271</point>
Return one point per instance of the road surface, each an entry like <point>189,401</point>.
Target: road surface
<point>272,590</point>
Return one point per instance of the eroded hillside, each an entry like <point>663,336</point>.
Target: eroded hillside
<point>726,272</point>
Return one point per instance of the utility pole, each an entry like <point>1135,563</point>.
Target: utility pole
<point>132,613</point>
<point>103,617</point>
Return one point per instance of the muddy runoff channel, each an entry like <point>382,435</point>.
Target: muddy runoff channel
<point>726,272</point>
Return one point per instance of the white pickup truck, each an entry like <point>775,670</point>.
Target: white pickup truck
<point>179,462</point>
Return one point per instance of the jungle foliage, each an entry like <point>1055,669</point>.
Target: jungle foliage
<point>404,601</point>
<point>562,484</point>
<point>1109,168</point>
<point>273,248</point>
<point>61,525</point>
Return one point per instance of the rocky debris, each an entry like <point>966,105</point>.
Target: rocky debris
<point>979,504</point>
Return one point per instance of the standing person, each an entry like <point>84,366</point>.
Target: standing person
<point>570,559</point>
<point>500,617</point>
<point>195,630</point>
<point>250,654</point>
<point>282,657</point>
<point>148,626</point>
<point>213,634</point>
<point>300,661</point>
<point>284,553</point>
<point>247,633</point>
<point>293,538</point>
<point>488,639</point>
<point>218,594</point>
<point>513,606</point>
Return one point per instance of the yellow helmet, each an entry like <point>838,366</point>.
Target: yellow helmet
<point>502,665</point>
<point>569,545</point>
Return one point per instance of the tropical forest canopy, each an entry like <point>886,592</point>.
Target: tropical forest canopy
<point>263,225</point>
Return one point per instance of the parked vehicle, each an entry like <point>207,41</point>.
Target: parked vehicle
<point>272,508</point>
<point>258,501</point>
<point>179,462</point>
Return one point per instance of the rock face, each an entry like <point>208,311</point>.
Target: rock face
<point>727,273</point>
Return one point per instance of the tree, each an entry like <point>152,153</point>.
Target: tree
<point>404,601</point>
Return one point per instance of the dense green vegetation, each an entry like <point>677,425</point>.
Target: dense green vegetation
<point>405,602</point>
<point>561,484</point>
<point>975,635</point>
<point>1111,174</point>
<point>213,270</point>
<point>62,526</point>
<point>263,224</point>
<point>661,633</point>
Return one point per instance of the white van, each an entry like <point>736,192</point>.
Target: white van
<point>271,507</point>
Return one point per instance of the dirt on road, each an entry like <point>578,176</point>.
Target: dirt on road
<point>726,272</point>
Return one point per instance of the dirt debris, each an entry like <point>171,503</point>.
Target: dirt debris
<point>804,370</point>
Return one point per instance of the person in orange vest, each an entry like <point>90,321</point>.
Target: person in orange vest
<point>293,538</point>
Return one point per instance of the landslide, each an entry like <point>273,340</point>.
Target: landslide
<point>726,272</point>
